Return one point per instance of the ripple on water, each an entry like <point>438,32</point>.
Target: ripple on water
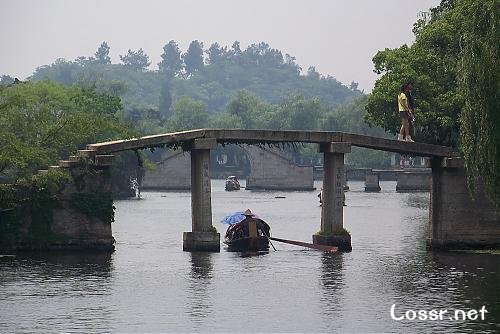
<point>150,285</point>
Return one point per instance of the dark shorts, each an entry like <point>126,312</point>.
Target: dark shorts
<point>403,114</point>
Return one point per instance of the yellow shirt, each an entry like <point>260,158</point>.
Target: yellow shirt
<point>402,102</point>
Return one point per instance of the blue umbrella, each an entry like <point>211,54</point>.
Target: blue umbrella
<point>234,218</point>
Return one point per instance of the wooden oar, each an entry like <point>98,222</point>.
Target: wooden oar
<point>269,238</point>
<point>324,248</point>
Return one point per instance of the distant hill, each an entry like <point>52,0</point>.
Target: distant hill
<point>211,79</point>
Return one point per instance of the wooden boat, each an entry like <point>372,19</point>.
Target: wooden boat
<point>232,183</point>
<point>251,234</point>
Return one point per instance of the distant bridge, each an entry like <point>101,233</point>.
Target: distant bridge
<point>455,219</point>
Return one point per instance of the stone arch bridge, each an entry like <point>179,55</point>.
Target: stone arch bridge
<point>173,170</point>
<point>455,219</point>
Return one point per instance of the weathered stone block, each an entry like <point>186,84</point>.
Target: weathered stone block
<point>67,163</point>
<point>86,153</point>
<point>103,160</point>
<point>372,182</point>
<point>343,242</point>
<point>172,172</point>
<point>456,220</point>
<point>201,241</point>
<point>204,144</point>
<point>273,169</point>
<point>413,182</point>
<point>76,215</point>
<point>335,147</point>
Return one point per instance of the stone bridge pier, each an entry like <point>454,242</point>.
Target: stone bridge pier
<point>203,237</point>
<point>332,230</point>
<point>457,221</point>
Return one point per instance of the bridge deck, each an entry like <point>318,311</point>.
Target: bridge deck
<point>273,136</point>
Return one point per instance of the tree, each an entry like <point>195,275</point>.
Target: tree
<point>225,120</point>
<point>136,60</point>
<point>44,121</point>
<point>266,75</point>
<point>300,113</point>
<point>262,55</point>
<point>102,54</point>
<point>236,49</point>
<point>216,53</point>
<point>479,123</point>
<point>193,58</point>
<point>6,80</point>
<point>187,114</point>
<point>312,73</point>
<point>431,65</point>
<point>243,106</point>
<point>453,65</point>
<point>171,63</point>
<point>165,99</point>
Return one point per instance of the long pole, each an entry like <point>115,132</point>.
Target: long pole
<point>324,248</point>
<point>269,238</point>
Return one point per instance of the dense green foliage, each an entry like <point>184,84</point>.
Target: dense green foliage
<point>44,121</point>
<point>431,64</point>
<point>135,60</point>
<point>453,65</point>
<point>97,204</point>
<point>26,208</point>
<point>480,126</point>
<point>255,88</point>
<point>212,80</point>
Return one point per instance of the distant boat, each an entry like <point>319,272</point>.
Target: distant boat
<point>232,183</point>
<point>246,232</point>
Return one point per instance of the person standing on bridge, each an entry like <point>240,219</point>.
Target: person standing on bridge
<point>411,103</point>
<point>411,106</point>
<point>404,114</point>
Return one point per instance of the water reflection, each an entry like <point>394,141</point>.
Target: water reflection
<point>150,285</point>
<point>419,200</point>
<point>199,287</point>
<point>66,291</point>
<point>472,280</point>
<point>251,254</point>
<point>59,264</point>
<point>332,283</point>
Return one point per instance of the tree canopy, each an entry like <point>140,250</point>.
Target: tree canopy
<point>453,67</point>
<point>431,65</point>
<point>171,63</point>
<point>44,121</point>
<point>193,58</point>
<point>259,69</point>
<point>136,60</point>
<point>102,54</point>
<point>478,66</point>
<point>256,87</point>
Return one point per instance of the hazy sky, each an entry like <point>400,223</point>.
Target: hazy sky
<point>339,37</point>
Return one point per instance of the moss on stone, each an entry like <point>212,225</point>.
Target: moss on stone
<point>99,205</point>
<point>26,209</point>
<point>336,232</point>
<point>212,229</point>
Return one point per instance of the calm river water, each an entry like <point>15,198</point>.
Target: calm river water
<point>150,285</point>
